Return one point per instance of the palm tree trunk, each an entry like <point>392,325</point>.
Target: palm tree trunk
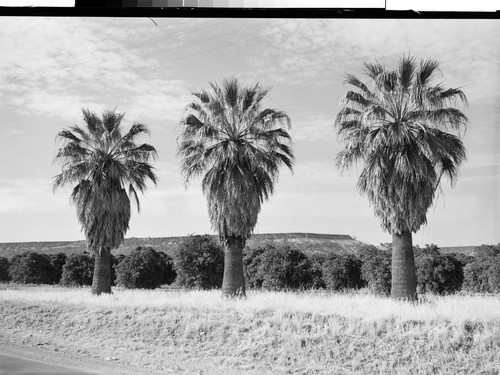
<point>101,282</point>
<point>404,279</point>
<point>233,283</point>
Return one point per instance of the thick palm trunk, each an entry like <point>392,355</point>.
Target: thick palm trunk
<point>233,283</point>
<point>101,282</point>
<point>404,279</point>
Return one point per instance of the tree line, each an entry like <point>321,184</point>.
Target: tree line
<point>398,124</point>
<point>199,264</point>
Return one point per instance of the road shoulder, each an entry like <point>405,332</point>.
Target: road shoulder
<point>47,355</point>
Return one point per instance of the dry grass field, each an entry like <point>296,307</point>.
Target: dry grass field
<point>197,332</point>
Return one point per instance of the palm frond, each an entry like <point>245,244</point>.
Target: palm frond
<point>373,70</point>
<point>428,69</point>
<point>348,156</point>
<point>356,82</point>
<point>396,130</point>
<point>453,96</point>
<point>352,97</point>
<point>69,136</point>
<point>452,155</point>
<point>143,152</point>
<point>346,114</point>
<point>231,92</point>
<point>441,118</point>
<point>238,147</point>
<point>387,80</point>
<point>93,122</point>
<point>269,118</point>
<point>80,132</point>
<point>133,193</point>
<point>248,101</point>
<point>111,120</point>
<point>136,129</point>
<point>100,161</point>
<point>406,71</point>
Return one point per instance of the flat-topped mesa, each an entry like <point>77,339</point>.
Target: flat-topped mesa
<point>466,250</point>
<point>308,242</point>
<point>275,236</point>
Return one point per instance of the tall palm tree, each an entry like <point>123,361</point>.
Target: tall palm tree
<point>396,125</point>
<point>239,147</point>
<point>104,163</point>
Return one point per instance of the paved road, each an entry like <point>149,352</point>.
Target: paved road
<point>20,366</point>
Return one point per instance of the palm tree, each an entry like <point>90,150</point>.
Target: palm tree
<point>396,126</point>
<point>239,147</point>
<point>103,163</point>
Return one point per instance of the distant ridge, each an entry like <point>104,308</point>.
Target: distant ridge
<point>310,243</point>
<point>272,236</point>
<point>307,242</point>
<point>466,250</point>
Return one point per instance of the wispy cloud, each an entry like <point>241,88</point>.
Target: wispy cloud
<point>83,56</point>
<point>327,48</point>
<point>314,128</point>
<point>12,130</point>
<point>30,195</point>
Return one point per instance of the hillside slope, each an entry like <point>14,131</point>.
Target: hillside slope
<point>307,242</point>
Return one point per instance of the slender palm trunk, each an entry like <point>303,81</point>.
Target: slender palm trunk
<point>101,282</point>
<point>233,283</point>
<point>404,279</point>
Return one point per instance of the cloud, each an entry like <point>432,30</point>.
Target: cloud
<point>303,49</point>
<point>159,100</point>
<point>314,128</point>
<point>87,63</point>
<point>314,177</point>
<point>11,129</point>
<point>479,174</point>
<point>30,195</point>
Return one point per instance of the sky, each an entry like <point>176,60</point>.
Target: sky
<point>51,68</point>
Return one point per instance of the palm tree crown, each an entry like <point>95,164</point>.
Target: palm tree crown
<point>103,162</point>
<point>239,146</point>
<point>396,125</point>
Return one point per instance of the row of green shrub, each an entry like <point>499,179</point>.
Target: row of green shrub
<point>199,263</point>
<point>144,268</point>
<point>274,266</point>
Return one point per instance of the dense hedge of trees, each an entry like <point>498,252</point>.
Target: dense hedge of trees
<point>57,260</point>
<point>437,273</point>
<point>145,268</point>
<point>482,275</point>
<point>199,263</point>
<point>277,267</point>
<point>494,276</point>
<point>342,272</point>
<point>78,270</point>
<point>376,270</point>
<point>317,261</point>
<point>487,251</point>
<point>4,269</point>
<point>32,268</point>
<point>115,261</point>
<point>169,270</point>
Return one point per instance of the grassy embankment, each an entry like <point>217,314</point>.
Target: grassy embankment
<point>267,333</point>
